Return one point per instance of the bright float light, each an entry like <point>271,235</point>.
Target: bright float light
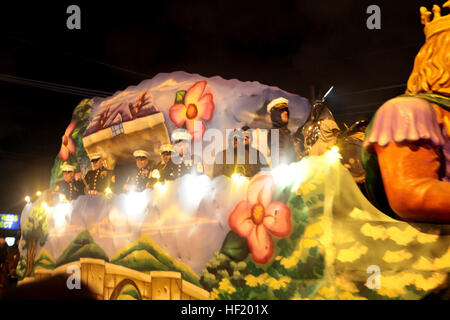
<point>237,178</point>
<point>193,188</point>
<point>161,187</point>
<point>27,199</point>
<point>62,210</point>
<point>156,174</point>
<point>62,197</point>
<point>333,154</point>
<point>108,192</point>
<point>135,204</point>
<point>44,205</point>
<point>285,175</point>
<point>38,193</point>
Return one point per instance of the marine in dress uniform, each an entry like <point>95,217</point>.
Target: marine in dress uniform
<point>185,162</point>
<point>99,178</point>
<point>69,187</point>
<point>142,179</point>
<point>165,169</point>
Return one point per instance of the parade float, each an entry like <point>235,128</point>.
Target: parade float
<point>297,231</point>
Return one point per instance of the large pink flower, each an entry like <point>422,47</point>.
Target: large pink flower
<point>257,217</point>
<point>197,106</point>
<point>67,145</point>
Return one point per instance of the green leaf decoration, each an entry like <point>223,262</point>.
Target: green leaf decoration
<point>179,96</point>
<point>235,246</point>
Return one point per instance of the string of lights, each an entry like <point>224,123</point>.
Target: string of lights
<point>84,92</point>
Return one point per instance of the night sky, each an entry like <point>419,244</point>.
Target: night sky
<point>288,44</point>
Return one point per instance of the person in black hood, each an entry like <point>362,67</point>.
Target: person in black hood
<point>279,115</point>
<point>231,161</point>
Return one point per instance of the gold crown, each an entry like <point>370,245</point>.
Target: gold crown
<point>439,23</point>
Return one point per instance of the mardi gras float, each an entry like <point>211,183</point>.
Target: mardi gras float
<point>301,230</point>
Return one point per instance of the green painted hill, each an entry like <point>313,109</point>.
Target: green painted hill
<point>83,246</point>
<point>44,261</point>
<point>141,260</point>
<point>145,255</point>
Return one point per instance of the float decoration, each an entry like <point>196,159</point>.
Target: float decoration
<point>192,235</point>
<point>406,152</point>
<point>72,149</point>
<point>191,106</point>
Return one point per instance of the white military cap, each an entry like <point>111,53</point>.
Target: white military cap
<point>181,134</point>
<point>166,148</point>
<point>276,101</point>
<point>95,156</point>
<point>67,167</point>
<point>141,153</point>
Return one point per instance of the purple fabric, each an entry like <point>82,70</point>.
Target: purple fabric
<point>404,120</point>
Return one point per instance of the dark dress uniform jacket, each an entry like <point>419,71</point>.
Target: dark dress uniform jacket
<point>287,153</point>
<point>142,179</point>
<point>246,168</point>
<point>100,179</point>
<point>172,171</point>
<point>71,190</point>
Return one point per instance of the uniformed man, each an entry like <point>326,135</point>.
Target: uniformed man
<point>69,189</point>
<point>165,169</point>
<point>99,179</point>
<point>279,115</point>
<point>185,161</point>
<point>142,178</point>
<point>229,161</point>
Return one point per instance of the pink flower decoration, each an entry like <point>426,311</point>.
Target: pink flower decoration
<point>257,217</point>
<point>67,145</point>
<point>197,106</point>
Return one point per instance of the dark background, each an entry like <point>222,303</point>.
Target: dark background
<point>288,44</point>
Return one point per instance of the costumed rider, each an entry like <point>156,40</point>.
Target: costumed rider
<point>68,189</point>
<point>279,115</point>
<point>407,145</point>
<point>350,143</point>
<point>239,157</point>
<point>142,179</point>
<point>99,179</point>
<point>321,131</point>
<point>185,161</point>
